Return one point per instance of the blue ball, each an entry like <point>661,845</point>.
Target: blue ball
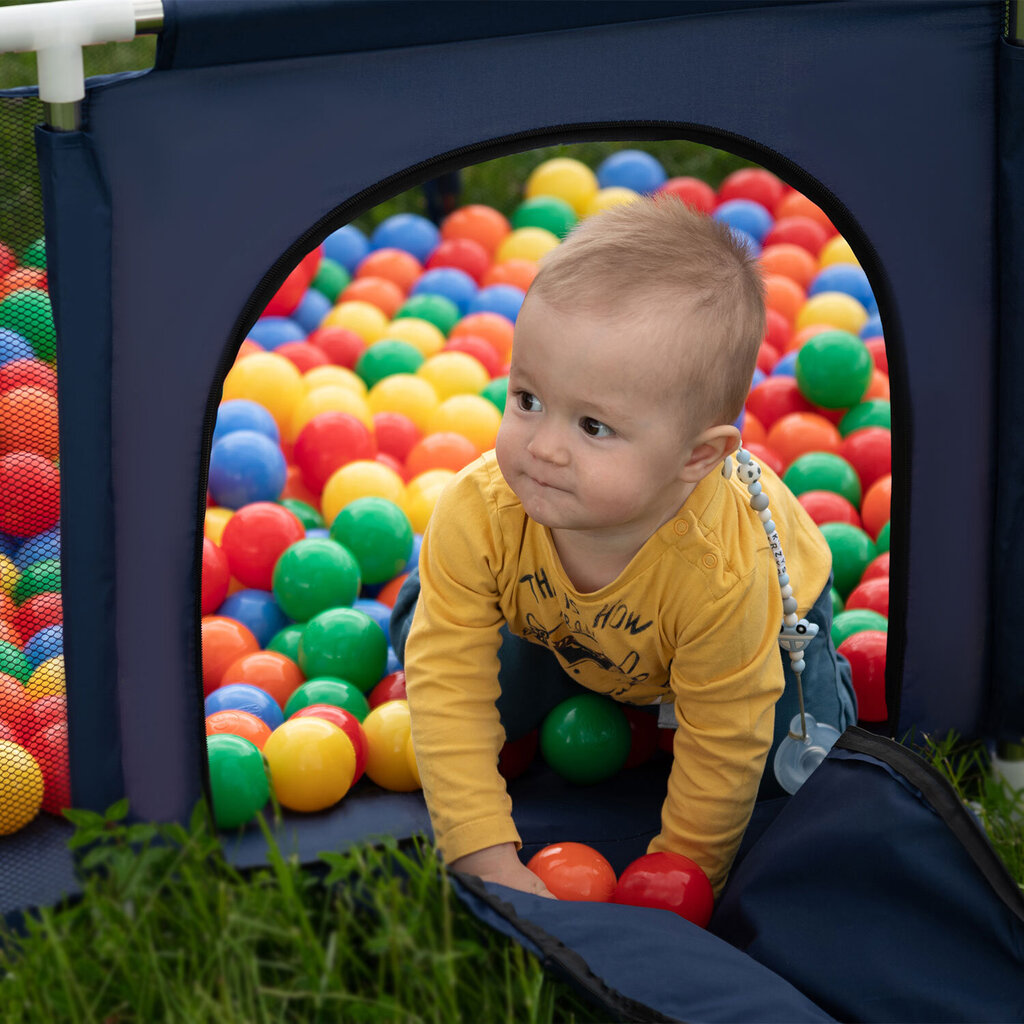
<point>414,557</point>
<point>347,246</point>
<point>746,215</point>
<point>311,310</point>
<point>13,346</point>
<point>243,697</point>
<point>408,231</point>
<point>759,376</point>
<point>245,467</point>
<point>46,644</point>
<point>452,283</point>
<point>43,545</point>
<point>846,278</point>
<point>380,613</point>
<point>271,331</point>
<point>498,298</point>
<point>631,168</point>
<point>320,532</point>
<point>786,366</point>
<point>243,414</point>
<point>392,664</point>
<point>257,611</point>
<point>873,328</point>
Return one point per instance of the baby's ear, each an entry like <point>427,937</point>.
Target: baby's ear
<point>709,449</point>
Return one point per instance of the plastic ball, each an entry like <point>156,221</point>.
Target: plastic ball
<point>331,279</point>
<point>304,512</point>
<point>327,398</point>
<point>504,299</point>
<point>405,393</point>
<point>829,507</point>
<point>22,787</point>
<point>424,336</point>
<point>271,332</point>
<point>784,295</point>
<point>852,550</point>
<point>377,291</point>
<point>244,414</point>
<point>797,230</point>
<point>244,697</point>
<point>837,250</point>
<point>42,610</point>
<point>45,644</point>
<point>360,479</point>
<point>434,309</point>
<point>28,372</point>
<point>329,441</point>
<point>527,244</point>
<point>453,373</point>
<point>875,507</point>
<point>667,881</point>
<point>312,763</point>
<point>449,282</point>
<point>869,451</point>
<point>697,194</point>
<point>878,568</point>
<point>872,594</point>
<point>565,178</point>
<point>574,871</point>
<point>30,485</point>
<point>464,254</point>
<point>40,577</point>
<point>28,422</point>
<point>495,328</point>
<point>346,644</point>
<point>257,610</point>
<point>792,261</point>
<point>517,755</point>
<point>305,356</point>
<point>834,369</point>
<point>606,198</point>
<point>313,575</point>
<point>496,393</point>
<point>470,415</point>
<point>238,780</point>
<point>872,413</point>
<point>422,494</point>
<point>774,398</point>
<point>408,231</point>
<point>866,651</point>
<point>31,716</point>
<point>840,310</point>
<point>365,319</point>
<point>798,433</point>
<point>477,222</point>
<point>238,723</point>
<point>270,671</point>
<point>286,641</point>
<point>585,738</point>
<point>391,687</point>
<point>823,471</point>
<point>746,215</point>
<point>395,265</point>
<point>547,212</point>
<point>49,746</point>
<point>479,349</point>
<point>387,728</point>
<point>856,620</point>
<point>386,357</point>
<point>752,183</point>
<point>348,723</point>
<point>440,451</point>
<point>341,346</point>
<point>255,538</point>
<point>336,692</point>
<point>347,247</point>
<point>395,433</point>
<point>267,379</point>
<point>847,278</point>
<point>246,467</point>
<point>378,534</point>
<point>28,313</point>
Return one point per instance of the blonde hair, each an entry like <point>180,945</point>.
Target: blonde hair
<point>682,275</point>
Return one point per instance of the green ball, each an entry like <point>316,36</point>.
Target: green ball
<point>876,412</point>
<point>286,641</point>
<point>35,255</point>
<point>27,312</point>
<point>547,212</point>
<point>313,575</point>
<point>837,602</point>
<point>852,549</point>
<point>345,643</point>
<point>586,738</point>
<point>497,393</point>
<point>823,471</point>
<point>328,690</point>
<point>305,513</point>
<point>331,279</point>
<point>42,577</point>
<point>436,309</point>
<point>385,357</point>
<point>856,620</point>
<point>882,540</point>
<point>833,369</point>
<point>13,662</point>
<point>379,535</point>
<point>238,779</point>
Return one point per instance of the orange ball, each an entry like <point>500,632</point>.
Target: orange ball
<point>378,291</point>
<point>879,386</point>
<point>444,450</point>
<point>28,422</point>
<point>481,224</point>
<point>796,204</point>
<point>517,272</point>
<point>792,261</point>
<point>397,265</point>
<point>798,433</point>
<point>783,295</point>
<point>238,723</point>
<point>276,673</point>
<point>574,871</point>
<point>224,640</point>
<point>874,509</point>
<point>23,277</point>
<point>496,328</point>
<point>753,429</point>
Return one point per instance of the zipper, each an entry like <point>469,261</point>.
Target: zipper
<point>617,131</point>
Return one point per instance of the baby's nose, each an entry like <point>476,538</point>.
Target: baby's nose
<point>548,445</point>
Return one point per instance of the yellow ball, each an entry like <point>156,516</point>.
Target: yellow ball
<point>21,787</point>
<point>268,379</point>
<point>312,763</point>
<point>454,373</point>
<point>9,575</point>
<point>362,478</point>
<point>565,178</point>
<point>216,519</point>
<point>47,679</point>
<point>421,334</point>
<point>421,496</point>
<point>614,195</point>
<point>836,250</point>
<point>336,376</point>
<point>526,244</point>
<point>469,415</point>
<point>387,728</point>
<point>331,398</point>
<point>405,393</point>
<point>837,309</point>
<point>365,319</point>
<point>410,760</point>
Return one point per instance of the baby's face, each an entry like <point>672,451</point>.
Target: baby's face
<point>592,438</point>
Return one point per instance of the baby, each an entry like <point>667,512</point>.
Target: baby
<point>600,546</point>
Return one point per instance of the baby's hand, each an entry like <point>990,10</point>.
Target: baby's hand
<point>501,864</point>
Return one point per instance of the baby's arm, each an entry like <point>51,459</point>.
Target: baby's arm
<point>501,864</point>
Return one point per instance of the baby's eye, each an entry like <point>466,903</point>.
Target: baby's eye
<point>528,402</point>
<point>595,428</point>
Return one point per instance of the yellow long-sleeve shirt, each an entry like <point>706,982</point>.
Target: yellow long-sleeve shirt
<point>694,617</point>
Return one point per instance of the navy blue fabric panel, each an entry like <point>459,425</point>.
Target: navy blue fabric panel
<point>868,901</point>
<point>641,963</point>
<point>1007,708</point>
<point>202,33</point>
<point>216,172</point>
<point>76,205</point>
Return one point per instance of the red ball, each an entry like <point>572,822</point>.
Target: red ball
<point>643,735</point>
<point>462,253</point>
<point>774,397</point>
<point>666,740</point>
<point>802,231</point>
<point>878,568</point>
<point>480,349</point>
<point>391,687</point>
<point>766,457</point>
<point>866,653</point>
<point>394,465</point>
<point>303,355</point>
<point>30,485</point>
<point>396,434</point>
<point>869,451</point>
<point>873,594</point>
<point>876,346</point>
<point>767,357</point>
<point>39,611</point>
<point>516,756</point>
<point>668,881</point>
<point>443,450</point>
<point>327,442</point>
<point>49,747</point>
<point>216,577</point>
<point>697,194</point>
<point>28,373</point>
<point>574,871</point>
<point>254,538</point>
<point>347,723</point>
<point>778,330</point>
<point>341,346</point>
<point>829,507</point>
<point>223,640</point>
<point>40,714</point>
<point>752,183</point>
<point>289,295</point>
